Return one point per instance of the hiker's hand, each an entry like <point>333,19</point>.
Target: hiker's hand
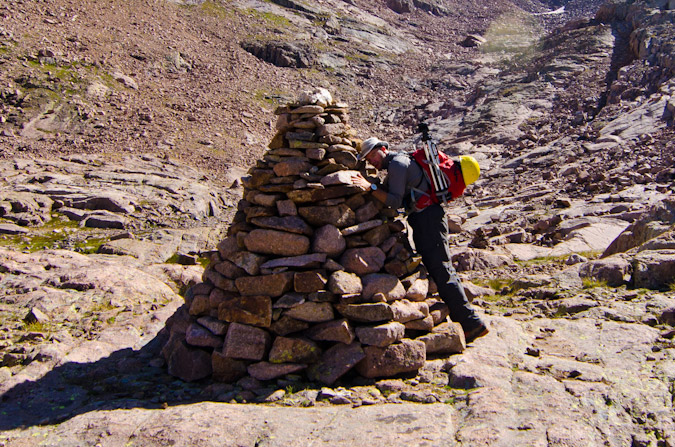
<point>361,182</point>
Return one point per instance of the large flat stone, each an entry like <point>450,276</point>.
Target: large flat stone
<point>366,313</point>
<point>269,371</point>
<point>334,330</point>
<point>446,338</point>
<point>382,335</point>
<point>363,261</point>
<point>311,312</point>
<point>407,356</point>
<point>317,195</point>
<point>294,350</point>
<point>338,215</point>
<point>246,342</point>
<point>336,362</point>
<point>255,310</point>
<point>270,285</point>
<point>275,242</point>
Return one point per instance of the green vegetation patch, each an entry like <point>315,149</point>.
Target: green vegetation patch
<point>217,9</point>
<point>37,326</point>
<point>498,284</point>
<point>273,97</point>
<point>90,245</point>
<point>5,49</point>
<point>592,283</point>
<point>62,73</point>
<point>42,238</point>
<point>58,233</point>
<point>542,260</point>
<point>270,18</point>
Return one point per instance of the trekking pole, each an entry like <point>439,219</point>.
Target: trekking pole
<point>440,182</point>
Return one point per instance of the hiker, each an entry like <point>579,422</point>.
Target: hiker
<point>406,180</point>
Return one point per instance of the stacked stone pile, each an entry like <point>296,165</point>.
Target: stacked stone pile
<point>315,277</point>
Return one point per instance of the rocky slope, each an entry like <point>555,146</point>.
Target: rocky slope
<point>124,129</point>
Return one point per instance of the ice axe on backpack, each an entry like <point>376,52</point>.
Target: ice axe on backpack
<point>438,179</point>
<point>447,178</point>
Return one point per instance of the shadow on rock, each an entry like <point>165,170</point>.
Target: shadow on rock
<point>125,379</point>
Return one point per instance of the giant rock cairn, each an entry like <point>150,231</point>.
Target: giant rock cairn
<point>315,276</point>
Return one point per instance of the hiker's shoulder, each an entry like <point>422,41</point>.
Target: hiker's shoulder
<point>402,157</point>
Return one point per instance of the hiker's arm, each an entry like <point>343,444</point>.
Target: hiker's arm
<point>392,198</point>
<point>380,194</point>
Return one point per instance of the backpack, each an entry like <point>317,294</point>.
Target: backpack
<point>446,175</point>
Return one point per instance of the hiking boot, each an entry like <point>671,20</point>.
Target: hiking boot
<point>475,333</point>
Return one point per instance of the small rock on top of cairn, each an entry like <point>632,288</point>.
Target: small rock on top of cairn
<point>315,277</point>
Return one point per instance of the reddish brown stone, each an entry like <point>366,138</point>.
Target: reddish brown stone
<point>334,330</point>
<point>339,215</point>
<point>317,195</point>
<point>249,262</point>
<point>405,310</point>
<point>366,313</point>
<point>446,338</point>
<point>291,224</point>
<point>439,312</point>
<point>423,324</point>
<point>258,177</point>
<point>382,335</point>
<point>270,285</point>
<point>336,362</point>
<point>312,312</point>
<point>345,283</point>
<point>377,235</point>
<point>281,243</point>
<point>407,356</point>
<point>200,305</point>
<point>198,335</point>
<point>246,342</point>
<point>313,260</point>
<point>189,364</point>
<point>388,285</point>
<point>269,371</point>
<point>328,239</point>
<point>287,325</point>
<point>229,270</point>
<point>255,310</point>
<point>291,167</point>
<point>226,369</point>
<point>308,282</point>
<point>294,350</point>
<point>217,280</point>
<point>363,261</point>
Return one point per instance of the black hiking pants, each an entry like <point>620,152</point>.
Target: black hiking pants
<point>430,233</point>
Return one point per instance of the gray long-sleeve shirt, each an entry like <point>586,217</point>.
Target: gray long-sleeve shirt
<point>404,176</point>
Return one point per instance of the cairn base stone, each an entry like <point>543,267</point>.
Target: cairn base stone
<point>335,330</point>
<point>269,371</point>
<point>226,369</point>
<point>189,364</point>
<point>446,338</point>
<point>407,356</point>
<point>246,342</point>
<point>382,335</point>
<point>336,362</point>
<point>294,350</point>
